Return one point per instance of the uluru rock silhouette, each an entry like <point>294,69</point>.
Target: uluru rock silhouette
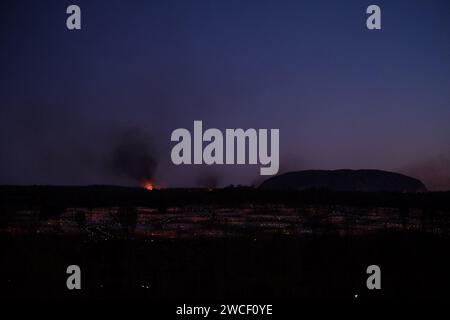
<point>344,180</point>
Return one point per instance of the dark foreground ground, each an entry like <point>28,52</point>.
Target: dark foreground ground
<point>225,245</point>
<point>309,267</point>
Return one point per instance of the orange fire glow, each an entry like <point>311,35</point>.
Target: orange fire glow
<point>148,186</point>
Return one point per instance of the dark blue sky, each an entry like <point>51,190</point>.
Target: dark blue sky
<point>342,96</point>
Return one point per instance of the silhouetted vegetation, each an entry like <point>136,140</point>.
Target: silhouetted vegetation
<point>54,199</point>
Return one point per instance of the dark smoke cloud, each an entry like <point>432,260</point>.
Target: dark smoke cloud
<point>207,179</point>
<point>434,172</point>
<point>43,144</point>
<point>133,157</point>
<point>52,145</point>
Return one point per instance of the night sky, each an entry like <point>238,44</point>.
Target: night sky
<point>72,102</point>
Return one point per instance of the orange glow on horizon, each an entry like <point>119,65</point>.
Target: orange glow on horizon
<point>148,186</point>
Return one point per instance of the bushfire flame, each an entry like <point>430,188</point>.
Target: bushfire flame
<point>148,186</point>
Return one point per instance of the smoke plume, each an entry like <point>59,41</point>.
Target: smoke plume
<point>133,157</point>
<point>207,179</point>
